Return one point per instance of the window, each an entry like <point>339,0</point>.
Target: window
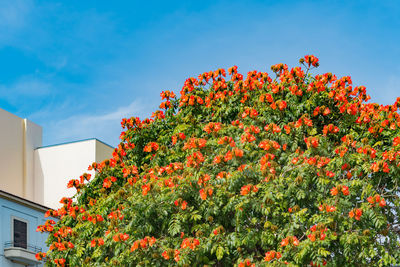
<point>20,234</point>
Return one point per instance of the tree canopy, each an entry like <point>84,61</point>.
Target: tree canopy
<point>291,169</point>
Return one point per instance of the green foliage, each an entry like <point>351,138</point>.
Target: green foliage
<point>294,171</point>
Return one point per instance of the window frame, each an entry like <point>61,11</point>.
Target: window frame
<point>12,230</point>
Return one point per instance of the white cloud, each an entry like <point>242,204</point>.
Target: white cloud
<point>27,87</point>
<point>105,127</point>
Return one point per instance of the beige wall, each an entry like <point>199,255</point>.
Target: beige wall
<point>18,139</point>
<point>41,174</point>
<point>33,140</point>
<point>56,165</point>
<point>11,153</point>
<point>103,151</point>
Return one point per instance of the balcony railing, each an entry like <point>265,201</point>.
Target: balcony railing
<point>21,252</point>
<point>30,247</point>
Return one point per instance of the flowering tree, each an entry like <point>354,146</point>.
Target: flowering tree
<point>254,171</point>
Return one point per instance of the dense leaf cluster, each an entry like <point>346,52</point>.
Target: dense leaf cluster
<point>296,170</point>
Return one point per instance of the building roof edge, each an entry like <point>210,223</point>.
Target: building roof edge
<point>23,201</point>
<point>76,141</point>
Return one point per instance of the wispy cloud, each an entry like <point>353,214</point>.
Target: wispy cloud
<point>14,15</point>
<point>27,87</point>
<point>103,126</point>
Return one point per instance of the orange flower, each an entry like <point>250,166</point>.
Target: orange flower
<point>184,205</point>
<point>351,214</point>
<point>165,255</point>
<point>203,195</point>
<point>358,214</point>
<point>375,167</point>
<point>143,243</point>
<point>228,156</point>
<point>345,190</point>
<point>285,242</point>
<point>152,241</point>
<point>135,246</point>
<point>238,153</point>
<point>334,191</point>
<point>145,189</point>
<point>311,237</point>
<point>371,200</point>
<point>245,190</point>
<point>282,105</point>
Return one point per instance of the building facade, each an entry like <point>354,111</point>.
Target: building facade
<point>33,179</point>
<point>40,174</point>
<point>19,241</point>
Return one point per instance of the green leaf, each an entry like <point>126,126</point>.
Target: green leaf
<point>220,252</point>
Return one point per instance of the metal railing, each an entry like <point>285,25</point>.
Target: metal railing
<point>10,244</point>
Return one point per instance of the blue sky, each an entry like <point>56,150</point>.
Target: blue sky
<point>78,67</point>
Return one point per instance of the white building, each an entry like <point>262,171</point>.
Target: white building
<point>40,174</point>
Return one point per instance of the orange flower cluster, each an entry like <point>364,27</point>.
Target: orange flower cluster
<point>203,180</point>
<point>396,141</point>
<point>330,129</point>
<point>115,215</point>
<point>245,263</point>
<point>60,262</point>
<point>340,188</point>
<point>40,255</point>
<point>166,95</point>
<point>61,246</point>
<point>252,113</point>
<point>195,159</point>
<point>247,137</point>
<point>270,255</point>
<point>143,243</point>
<point>290,240</point>
<point>212,127</point>
<point>273,128</point>
<point>327,208</point>
<point>203,193</point>
<point>191,243</point>
<point>97,241</point>
<point>159,114</point>
<point>246,189</point>
<point>380,165</point>
<point>145,189</point>
<point>167,254</point>
<point>311,141</point>
<point>195,143</point>
<point>314,161</point>
<point>175,137</point>
<point>356,213</point>
<point>47,227</point>
<point>63,232</point>
<point>92,218</point>
<point>317,231</point>
<point>75,183</point>
<point>151,147</point>
<point>377,199</point>
<point>182,203</point>
<point>268,144</point>
<point>107,182</point>
<point>311,60</point>
<point>227,139</point>
<point>325,111</point>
